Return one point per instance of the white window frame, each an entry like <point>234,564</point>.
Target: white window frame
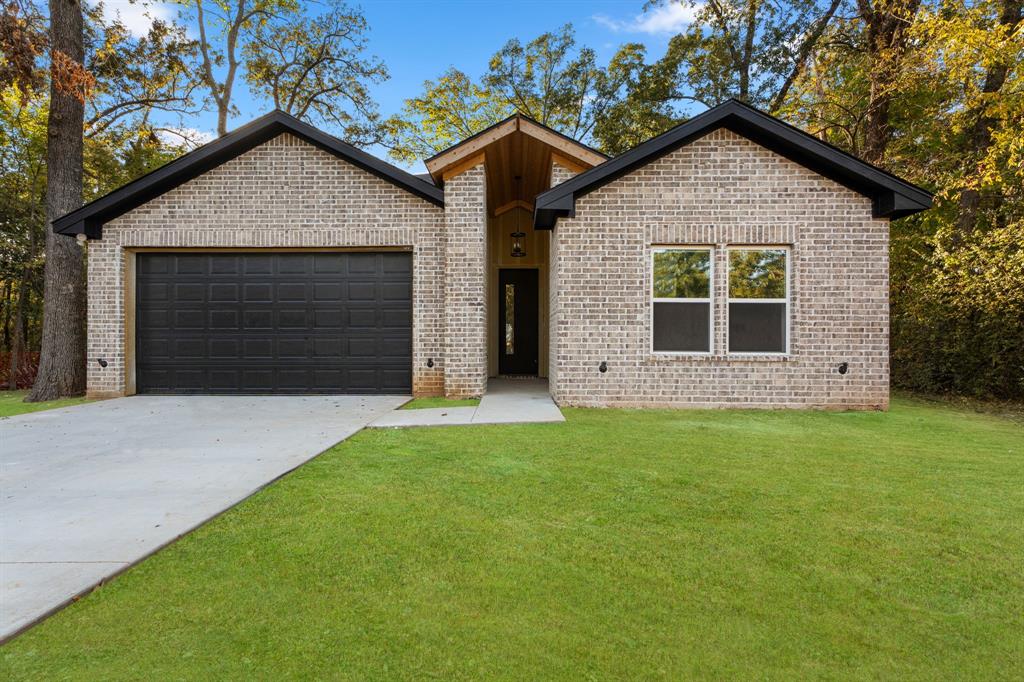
<point>710,300</point>
<point>789,295</point>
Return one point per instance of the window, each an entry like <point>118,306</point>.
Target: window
<point>510,319</point>
<point>681,301</point>
<point>758,300</point>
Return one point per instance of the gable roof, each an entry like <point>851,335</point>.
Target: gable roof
<point>89,219</point>
<point>891,196</point>
<point>474,144</point>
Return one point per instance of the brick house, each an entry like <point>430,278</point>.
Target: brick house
<point>732,261</point>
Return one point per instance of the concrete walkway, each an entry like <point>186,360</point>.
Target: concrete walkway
<point>507,401</point>
<point>89,490</point>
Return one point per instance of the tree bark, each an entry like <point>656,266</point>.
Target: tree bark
<point>887,22</point>
<point>18,333</point>
<point>62,357</point>
<point>979,138</point>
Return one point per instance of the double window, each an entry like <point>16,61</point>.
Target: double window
<point>682,294</point>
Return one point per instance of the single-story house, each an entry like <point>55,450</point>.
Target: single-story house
<point>732,261</point>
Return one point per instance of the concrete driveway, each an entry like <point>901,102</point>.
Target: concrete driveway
<point>89,490</point>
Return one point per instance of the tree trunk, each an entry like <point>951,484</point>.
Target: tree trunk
<point>979,139</point>
<point>62,357</point>
<point>887,22</point>
<point>19,333</point>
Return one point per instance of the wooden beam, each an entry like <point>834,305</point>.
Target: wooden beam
<point>518,203</point>
<point>438,165</point>
<point>463,166</point>
<point>566,162</point>
<point>570,148</point>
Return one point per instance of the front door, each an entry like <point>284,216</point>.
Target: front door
<point>517,321</point>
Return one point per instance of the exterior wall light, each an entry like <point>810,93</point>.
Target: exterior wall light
<point>102,362</point>
<point>430,362</point>
<point>603,367</point>
<point>844,367</point>
<point>517,245</point>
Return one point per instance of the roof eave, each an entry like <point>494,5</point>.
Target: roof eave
<point>89,219</point>
<point>891,196</point>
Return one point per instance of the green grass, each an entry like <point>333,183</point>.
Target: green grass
<point>618,545</point>
<point>12,403</point>
<point>424,403</point>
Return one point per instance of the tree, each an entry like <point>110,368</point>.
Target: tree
<point>550,79</point>
<point>62,362</point>
<point>308,65</point>
<point>886,23</point>
<point>304,63</point>
<point>749,49</point>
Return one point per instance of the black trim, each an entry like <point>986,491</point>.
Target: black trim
<point>892,197</point>
<point>90,218</point>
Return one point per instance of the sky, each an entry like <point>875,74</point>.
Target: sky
<point>420,39</point>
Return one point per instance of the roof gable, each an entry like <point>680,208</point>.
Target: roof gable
<point>475,144</point>
<point>891,196</point>
<point>89,219</point>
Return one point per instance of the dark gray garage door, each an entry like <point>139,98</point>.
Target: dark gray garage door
<point>274,323</point>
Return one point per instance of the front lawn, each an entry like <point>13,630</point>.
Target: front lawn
<point>618,545</point>
<point>13,402</point>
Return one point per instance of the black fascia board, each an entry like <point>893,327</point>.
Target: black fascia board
<point>89,219</point>
<point>891,196</point>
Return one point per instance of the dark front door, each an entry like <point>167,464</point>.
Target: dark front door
<point>273,322</point>
<point>517,321</point>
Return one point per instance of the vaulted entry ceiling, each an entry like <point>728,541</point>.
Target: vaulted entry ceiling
<point>518,153</point>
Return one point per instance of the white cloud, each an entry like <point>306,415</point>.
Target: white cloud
<point>663,19</point>
<point>137,16</point>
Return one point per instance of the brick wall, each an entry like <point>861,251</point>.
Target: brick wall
<point>559,174</point>
<point>465,283</point>
<point>284,193</point>
<point>721,190</point>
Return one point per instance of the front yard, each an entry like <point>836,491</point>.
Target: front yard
<point>13,403</point>
<point>621,544</point>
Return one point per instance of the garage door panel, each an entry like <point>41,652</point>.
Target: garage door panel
<point>274,323</point>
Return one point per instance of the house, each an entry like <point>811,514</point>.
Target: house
<point>732,261</point>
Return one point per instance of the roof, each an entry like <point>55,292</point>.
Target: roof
<point>891,196</point>
<point>475,144</point>
<point>89,219</point>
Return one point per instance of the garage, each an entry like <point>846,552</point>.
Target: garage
<point>282,322</point>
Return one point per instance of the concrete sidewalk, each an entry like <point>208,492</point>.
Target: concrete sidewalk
<point>92,489</point>
<point>507,401</point>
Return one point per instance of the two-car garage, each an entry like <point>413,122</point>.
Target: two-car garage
<point>273,322</point>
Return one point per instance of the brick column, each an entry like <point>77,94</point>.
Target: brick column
<point>559,174</point>
<point>465,283</point>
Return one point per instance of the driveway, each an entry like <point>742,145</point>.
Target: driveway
<point>89,490</point>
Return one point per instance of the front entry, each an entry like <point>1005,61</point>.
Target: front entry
<point>517,321</point>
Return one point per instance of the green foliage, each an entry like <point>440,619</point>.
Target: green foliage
<point>309,65</point>
<point>550,79</point>
<point>623,544</point>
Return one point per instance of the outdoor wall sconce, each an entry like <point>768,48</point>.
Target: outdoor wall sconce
<point>430,362</point>
<point>603,367</point>
<point>844,367</point>
<point>517,246</point>
<point>102,362</point>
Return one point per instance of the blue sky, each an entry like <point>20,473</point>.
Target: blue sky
<point>420,39</point>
